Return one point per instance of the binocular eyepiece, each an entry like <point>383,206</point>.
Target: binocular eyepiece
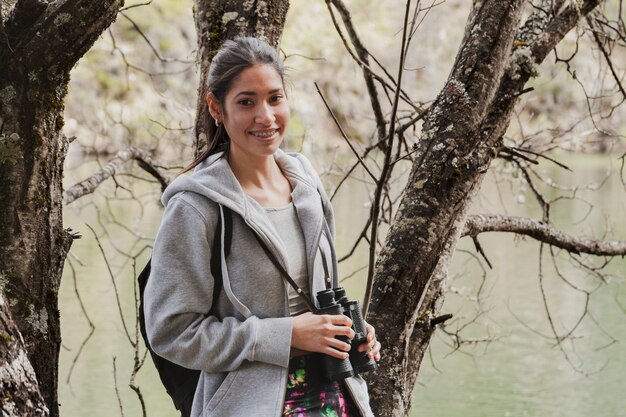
<point>336,302</point>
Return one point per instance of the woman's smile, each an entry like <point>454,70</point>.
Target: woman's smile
<point>265,135</point>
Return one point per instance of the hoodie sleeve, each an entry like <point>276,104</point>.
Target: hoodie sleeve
<point>179,294</point>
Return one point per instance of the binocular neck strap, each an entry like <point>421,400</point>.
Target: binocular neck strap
<point>328,280</point>
<point>285,274</point>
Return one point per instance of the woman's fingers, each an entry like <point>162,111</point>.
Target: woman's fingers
<point>371,346</point>
<point>335,353</point>
<point>371,339</point>
<point>375,352</point>
<point>338,344</point>
<point>318,333</point>
<point>371,332</point>
<point>338,326</point>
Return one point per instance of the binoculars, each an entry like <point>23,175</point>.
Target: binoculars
<point>336,302</point>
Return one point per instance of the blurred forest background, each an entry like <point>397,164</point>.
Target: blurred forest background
<point>137,86</point>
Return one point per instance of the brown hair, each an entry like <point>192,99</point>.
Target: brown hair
<point>231,60</point>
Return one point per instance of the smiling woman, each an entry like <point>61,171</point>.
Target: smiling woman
<point>258,347</point>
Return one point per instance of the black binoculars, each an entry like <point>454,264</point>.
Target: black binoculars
<point>336,302</point>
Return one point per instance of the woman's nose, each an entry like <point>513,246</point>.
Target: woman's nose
<point>264,114</point>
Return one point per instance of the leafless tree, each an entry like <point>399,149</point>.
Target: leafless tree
<point>40,42</point>
<point>463,132</point>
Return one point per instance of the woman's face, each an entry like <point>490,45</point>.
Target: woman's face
<point>255,111</point>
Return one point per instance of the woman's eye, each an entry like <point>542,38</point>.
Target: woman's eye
<point>245,102</point>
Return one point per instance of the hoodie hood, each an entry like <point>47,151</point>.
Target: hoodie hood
<point>214,179</point>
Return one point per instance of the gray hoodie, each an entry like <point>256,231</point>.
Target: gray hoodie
<point>243,348</point>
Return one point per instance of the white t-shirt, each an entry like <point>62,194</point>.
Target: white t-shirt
<point>285,220</point>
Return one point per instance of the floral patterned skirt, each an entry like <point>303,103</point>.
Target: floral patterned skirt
<point>310,395</point>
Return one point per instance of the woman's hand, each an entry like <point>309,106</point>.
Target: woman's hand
<point>372,346</point>
<point>316,333</point>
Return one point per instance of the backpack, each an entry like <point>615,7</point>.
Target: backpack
<point>180,382</point>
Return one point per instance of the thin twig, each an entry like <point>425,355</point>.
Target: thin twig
<point>117,294</point>
<point>92,327</point>
<point>343,134</point>
<point>117,392</point>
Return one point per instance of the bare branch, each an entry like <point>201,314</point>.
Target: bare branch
<point>92,327</point>
<point>540,155</point>
<point>480,250</point>
<point>607,57</point>
<point>542,232</point>
<point>152,47</point>
<point>132,6</point>
<point>117,294</point>
<point>559,27</point>
<point>117,391</point>
<point>362,60</point>
<point>386,171</point>
<point>90,184</point>
<point>343,134</point>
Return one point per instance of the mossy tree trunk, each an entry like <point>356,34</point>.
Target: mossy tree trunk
<point>19,390</point>
<point>40,42</point>
<point>462,135</point>
<point>219,20</point>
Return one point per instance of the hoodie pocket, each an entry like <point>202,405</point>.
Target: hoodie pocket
<point>220,394</point>
<point>256,389</point>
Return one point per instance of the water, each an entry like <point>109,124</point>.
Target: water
<point>518,373</point>
<point>521,372</point>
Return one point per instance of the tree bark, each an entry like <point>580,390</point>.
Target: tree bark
<point>19,390</point>
<point>461,136</point>
<point>40,42</point>
<point>219,20</point>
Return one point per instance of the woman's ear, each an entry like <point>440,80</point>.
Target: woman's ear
<point>215,108</point>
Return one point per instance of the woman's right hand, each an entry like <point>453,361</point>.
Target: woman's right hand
<point>316,333</point>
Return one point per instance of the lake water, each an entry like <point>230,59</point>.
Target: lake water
<point>508,365</point>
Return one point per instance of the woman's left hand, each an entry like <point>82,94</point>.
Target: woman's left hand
<point>372,346</point>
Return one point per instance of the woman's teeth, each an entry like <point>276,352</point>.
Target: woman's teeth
<point>264,134</point>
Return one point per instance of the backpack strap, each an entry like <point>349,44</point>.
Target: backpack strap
<point>216,261</point>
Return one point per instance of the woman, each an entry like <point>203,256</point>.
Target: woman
<point>255,349</point>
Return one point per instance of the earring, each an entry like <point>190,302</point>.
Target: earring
<point>217,124</point>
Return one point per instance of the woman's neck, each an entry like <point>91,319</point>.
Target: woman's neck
<point>261,178</point>
<point>253,170</point>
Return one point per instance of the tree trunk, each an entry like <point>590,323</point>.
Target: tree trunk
<point>219,20</point>
<point>461,136</point>
<point>19,391</point>
<point>39,44</point>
